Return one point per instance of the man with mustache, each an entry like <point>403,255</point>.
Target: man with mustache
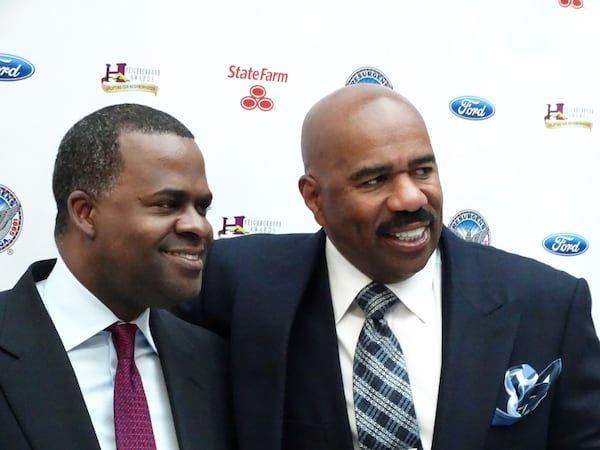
<point>384,330</point>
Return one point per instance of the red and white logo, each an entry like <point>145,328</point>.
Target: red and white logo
<point>257,99</point>
<point>574,3</point>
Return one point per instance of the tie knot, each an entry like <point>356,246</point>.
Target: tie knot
<point>123,337</point>
<point>375,299</point>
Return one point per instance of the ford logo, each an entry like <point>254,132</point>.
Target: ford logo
<point>13,68</point>
<point>472,108</point>
<point>565,244</point>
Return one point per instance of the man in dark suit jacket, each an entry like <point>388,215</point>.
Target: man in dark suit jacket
<point>372,183</point>
<point>132,236</point>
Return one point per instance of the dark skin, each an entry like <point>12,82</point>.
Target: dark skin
<point>371,180</point>
<point>144,244</point>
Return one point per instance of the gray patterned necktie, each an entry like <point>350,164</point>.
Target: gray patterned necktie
<point>385,412</point>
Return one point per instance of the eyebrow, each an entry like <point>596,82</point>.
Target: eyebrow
<point>367,172</point>
<point>204,200</point>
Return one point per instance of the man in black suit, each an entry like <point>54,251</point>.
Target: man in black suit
<point>132,235</point>
<point>500,350</point>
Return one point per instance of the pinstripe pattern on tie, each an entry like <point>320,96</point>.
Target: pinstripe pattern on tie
<point>385,412</point>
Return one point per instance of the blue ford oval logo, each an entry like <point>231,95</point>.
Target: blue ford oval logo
<point>565,244</point>
<point>472,108</point>
<point>13,68</point>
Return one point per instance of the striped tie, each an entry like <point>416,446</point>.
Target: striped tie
<point>385,412</point>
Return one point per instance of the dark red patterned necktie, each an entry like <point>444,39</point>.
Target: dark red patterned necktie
<point>133,427</point>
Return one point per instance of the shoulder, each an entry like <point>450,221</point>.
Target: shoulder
<point>265,248</point>
<point>266,241</point>
<point>165,325</point>
<point>503,271</point>
<point>37,271</point>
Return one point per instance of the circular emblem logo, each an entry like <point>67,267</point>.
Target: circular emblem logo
<point>369,75</point>
<point>11,218</point>
<point>470,226</point>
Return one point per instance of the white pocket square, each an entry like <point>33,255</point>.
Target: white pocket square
<point>526,389</point>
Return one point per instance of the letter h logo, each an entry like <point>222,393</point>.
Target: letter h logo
<point>558,111</point>
<point>237,227</point>
<point>119,74</point>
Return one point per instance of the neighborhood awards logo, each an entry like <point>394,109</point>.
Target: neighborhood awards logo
<point>121,77</point>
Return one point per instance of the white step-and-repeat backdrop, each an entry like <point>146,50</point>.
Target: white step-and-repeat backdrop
<point>510,91</point>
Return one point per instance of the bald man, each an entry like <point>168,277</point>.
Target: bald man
<point>499,351</point>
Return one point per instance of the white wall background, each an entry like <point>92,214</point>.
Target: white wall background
<point>526,180</point>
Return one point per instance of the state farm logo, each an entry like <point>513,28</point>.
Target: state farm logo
<point>257,99</point>
<point>574,3</point>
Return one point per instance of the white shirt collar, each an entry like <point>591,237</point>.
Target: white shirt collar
<point>76,313</point>
<point>346,281</point>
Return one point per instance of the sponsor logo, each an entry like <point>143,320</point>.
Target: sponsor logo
<point>472,108</point>
<point>11,219</point>
<point>262,225</point>
<point>122,77</point>
<point>263,74</point>
<point>369,75</point>
<point>14,68</point>
<point>258,93</point>
<point>565,244</point>
<point>232,229</point>
<point>470,226</point>
<point>257,99</point>
<point>561,115</point>
<point>241,225</point>
<point>574,3</point>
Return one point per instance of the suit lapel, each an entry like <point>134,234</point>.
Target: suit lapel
<point>261,361</point>
<point>35,373</point>
<point>477,334</point>
<point>187,382</point>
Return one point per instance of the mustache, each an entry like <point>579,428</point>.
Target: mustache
<point>402,218</point>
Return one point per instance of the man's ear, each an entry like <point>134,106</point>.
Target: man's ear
<point>82,212</point>
<point>311,193</point>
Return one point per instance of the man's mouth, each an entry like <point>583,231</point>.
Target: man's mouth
<point>185,255</point>
<point>410,235</point>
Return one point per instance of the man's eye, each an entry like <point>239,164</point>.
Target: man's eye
<point>166,204</point>
<point>202,210</point>
<point>423,171</point>
<point>375,181</point>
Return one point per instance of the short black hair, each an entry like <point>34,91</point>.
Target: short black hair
<point>88,156</point>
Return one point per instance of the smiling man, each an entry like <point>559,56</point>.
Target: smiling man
<point>384,330</point>
<point>132,236</point>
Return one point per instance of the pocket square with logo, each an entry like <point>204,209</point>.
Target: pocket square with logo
<point>525,389</point>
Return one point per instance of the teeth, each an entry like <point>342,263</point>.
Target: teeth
<point>188,256</point>
<point>410,235</point>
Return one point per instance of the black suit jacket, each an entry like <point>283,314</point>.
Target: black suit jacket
<point>41,406</point>
<point>270,295</point>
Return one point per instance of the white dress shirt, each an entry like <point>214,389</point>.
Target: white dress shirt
<point>80,320</point>
<point>416,321</point>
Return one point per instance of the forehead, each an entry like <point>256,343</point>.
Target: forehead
<point>154,149</point>
<point>380,132</point>
<point>160,158</point>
